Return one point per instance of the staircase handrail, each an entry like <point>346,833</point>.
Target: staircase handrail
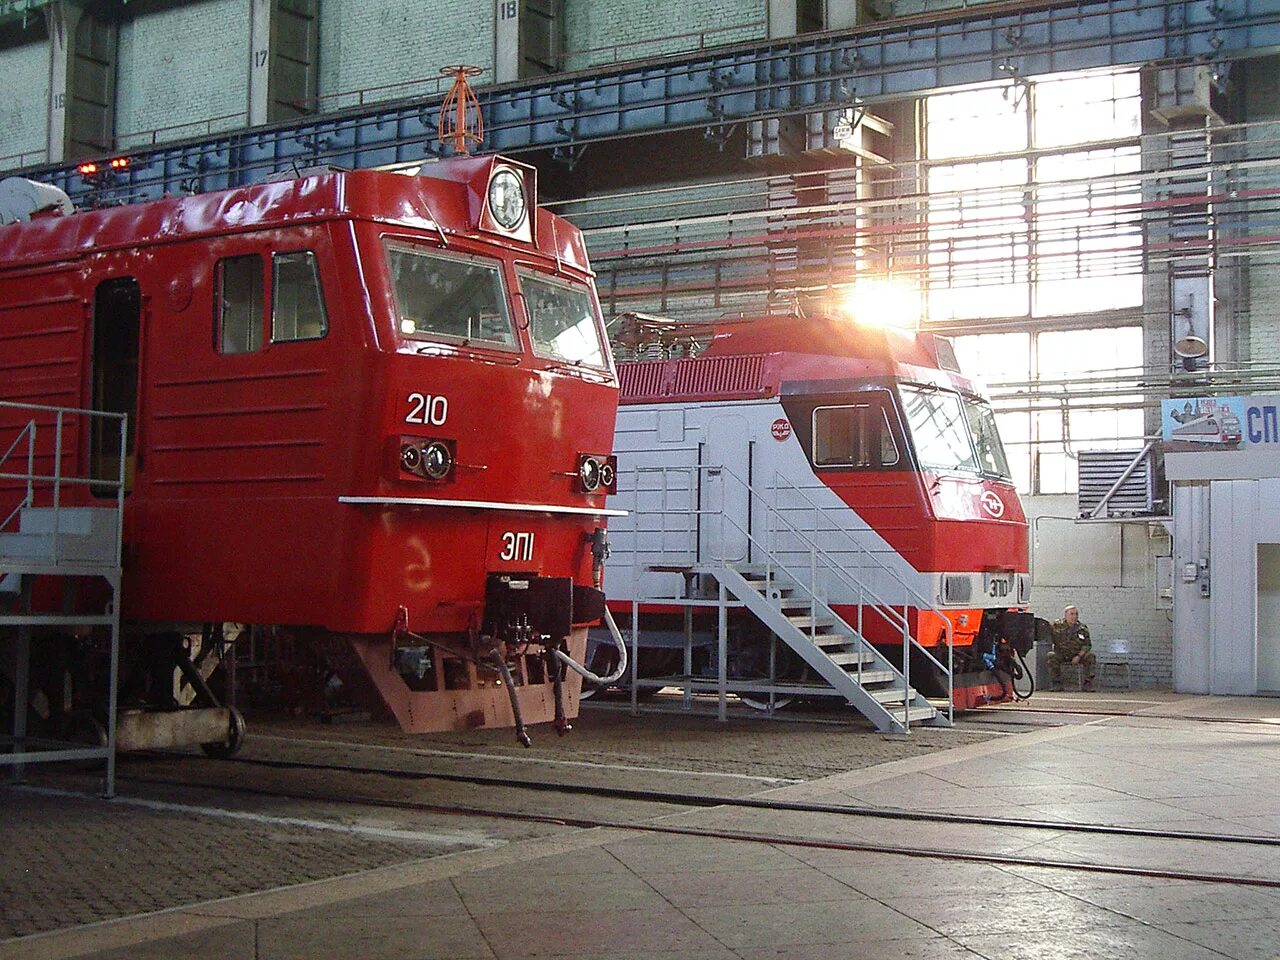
<point>887,611</point>
<point>29,431</point>
<point>58,479</point>
<point>897,621</point>
<point>922,601</point>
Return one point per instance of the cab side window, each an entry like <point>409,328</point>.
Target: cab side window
<point>238,305</point>
<point>297,302</point>
<point>853,436</point>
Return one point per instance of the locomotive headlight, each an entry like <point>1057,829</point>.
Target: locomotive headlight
<point>506,199</point>
<point>411,457</point>
<point>437,460</point>
<point>589,474</point>
<point>608,475</point>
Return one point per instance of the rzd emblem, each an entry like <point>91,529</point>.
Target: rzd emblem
<point>992,503</point>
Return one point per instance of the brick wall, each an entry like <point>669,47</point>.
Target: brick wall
<point>653,29</point>
<point>1262,103</point>
<point>183,64</point>
<point>908,8</point>
<point>364,44</point>
<point>1107,571</point>
<point>24,64</point>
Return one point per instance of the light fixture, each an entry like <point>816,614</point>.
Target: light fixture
<point>437,460</point>
<point>411,458</point>
<point>589,474</point>
<point>506,199</point>
<point>1189,344</point>
<point>882,302</point>
<point>430,459</point>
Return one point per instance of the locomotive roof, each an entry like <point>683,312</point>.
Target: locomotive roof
<point>767,356</point>
<point>446,196</point>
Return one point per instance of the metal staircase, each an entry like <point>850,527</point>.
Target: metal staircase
<point>41,537</point>
<point>782,577</point>
<point>831,647</point>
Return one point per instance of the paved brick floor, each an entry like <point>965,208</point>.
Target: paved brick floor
<point>634,895</point>
<point>748,744</point>
<point>66,860</point>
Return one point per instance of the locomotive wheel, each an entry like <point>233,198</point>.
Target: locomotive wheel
<point>225,749</point>
<point>762,703</point>
<point>603,661</point>
<point>749,661</point>
<point>87,729</point>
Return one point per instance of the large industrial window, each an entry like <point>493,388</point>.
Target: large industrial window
<point>1056,394</point>
<point>455,298</point>
<point>853,436</point>
<point>297,302</point>
<point>239,306</point>
<point>1054,226</point>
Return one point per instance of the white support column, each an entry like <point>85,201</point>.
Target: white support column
<point>506,40</point>
<point>62,18</point>
<point>259,61</point>
<point>783,20</point>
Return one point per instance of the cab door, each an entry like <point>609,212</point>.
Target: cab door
<point>117,334</point>
<point>725,498</point>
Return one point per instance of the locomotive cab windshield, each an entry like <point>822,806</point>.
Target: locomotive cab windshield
<point>449,297</point>
<point>954,433</point>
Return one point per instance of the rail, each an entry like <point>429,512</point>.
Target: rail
<point>44,488</point>
<point>889,612</point>
<point>35,484</point>
<point>820,561</point>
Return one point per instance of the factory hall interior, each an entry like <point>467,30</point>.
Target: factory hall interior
<point>743,480</point>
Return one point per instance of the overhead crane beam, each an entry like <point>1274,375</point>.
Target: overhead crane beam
<point>726,86</point>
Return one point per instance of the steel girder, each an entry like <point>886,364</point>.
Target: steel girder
<point>720,88</point>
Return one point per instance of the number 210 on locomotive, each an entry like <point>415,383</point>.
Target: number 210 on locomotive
<point>375,409</point>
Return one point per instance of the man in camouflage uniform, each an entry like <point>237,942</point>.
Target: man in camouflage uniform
<point>1071,645</point>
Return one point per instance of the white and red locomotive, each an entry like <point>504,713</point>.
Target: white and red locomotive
<point>370,408</point>
<point>895,467</point>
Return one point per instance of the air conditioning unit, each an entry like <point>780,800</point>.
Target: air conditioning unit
<point>1098,472</point>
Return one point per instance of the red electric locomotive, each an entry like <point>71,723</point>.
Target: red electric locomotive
<point>856,480</point>
<point>372,408</point>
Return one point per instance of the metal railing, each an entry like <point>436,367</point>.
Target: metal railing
<point>895,618</point>
<point>698,513</point>
<point>35,486</point>
<point>43,488</point>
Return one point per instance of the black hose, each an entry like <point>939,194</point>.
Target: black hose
<point>521,733</point>
<point>1021,668</point>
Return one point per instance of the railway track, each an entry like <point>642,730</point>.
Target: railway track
<point>772,839</point>
<point>695,800</point>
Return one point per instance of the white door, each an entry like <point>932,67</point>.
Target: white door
<point>726,503</point>
<point>1268,619</point>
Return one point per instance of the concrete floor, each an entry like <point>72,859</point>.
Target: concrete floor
<point>643,895</point>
